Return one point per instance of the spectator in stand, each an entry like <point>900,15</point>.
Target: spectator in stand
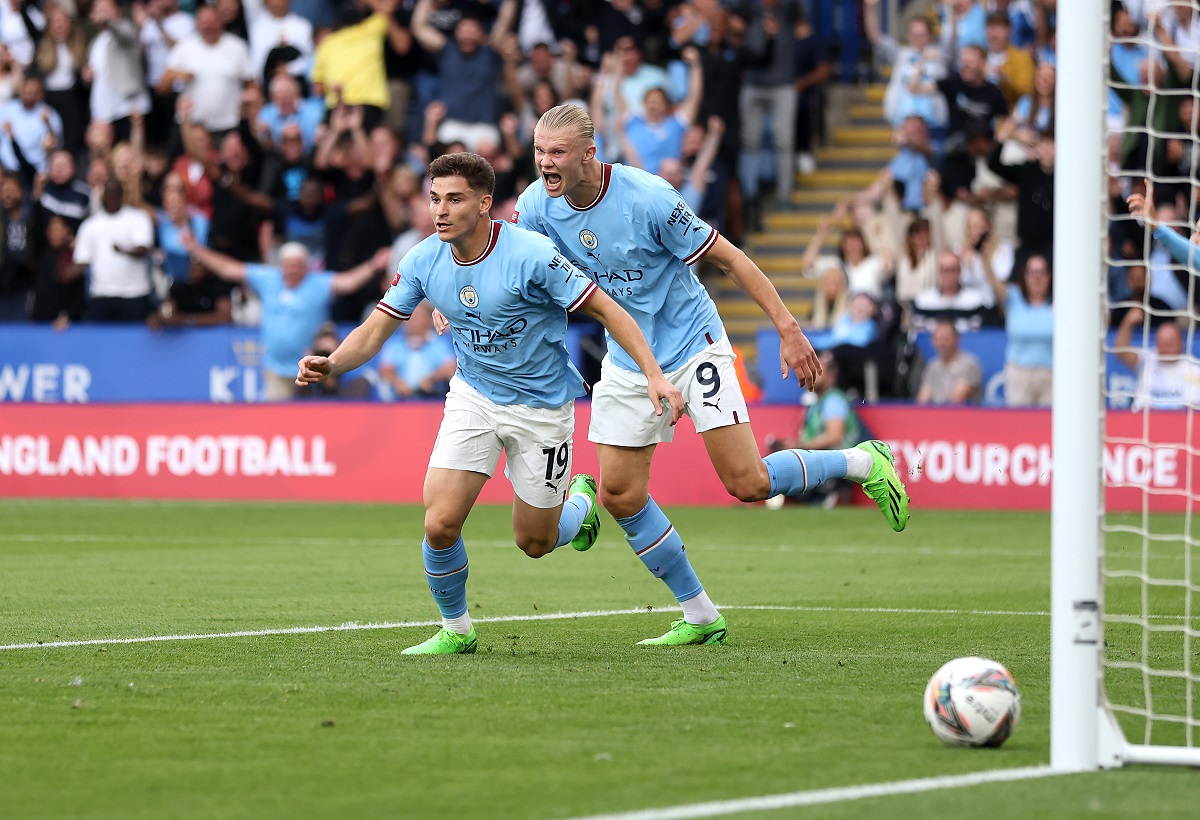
<point>469,67</point>
<point>540,66</point>
<point>969,97</point>
<point>21,25</point>
<point>916,269</point>
<point>161,26</point>
<point>917,65</point>
<point>306,220</point>
<point>1008,67</point>
<point>287,107</point>
<point>692,180</point>
<point>949,300</point>
<point>171,223</point>
<point>31,128</point>
<point>420,226</point>
<point>58,288</point>
<point>953,376</point>
<point>980,241</point>
<point>864,271</point>
<point>197,299</point>
<point>10,75</point>
<point>240,202</point>
<point>657,133</point>
<point>812,72</point>
<point>17,256</point>
<point>1167,378</point>
<point>348,65</point>
<point>62,194</point>
<point>417,363</point>
<point>346,386</point>
<point>1135,295</point>
<point>290,165</point>
<point>114,69</point>
<point>114,244</point>
<point>213,67</point>
<point>1035,196</point>
<point>281,41</point>
<point>61,56</point>
<point>1032,115</point>
<point>295,303</point>
<point>725,59</point>
<point>964,25</point>
<point>832,297</point>
<point>770,91</point>
<point>1027,306</point>
<point>906,173</point>
<point>855,327</point>
<point>1176,153</point>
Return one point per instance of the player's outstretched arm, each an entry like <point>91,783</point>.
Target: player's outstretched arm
<point>795,351</point>
<point>355,350</point>
<point>621,326</point>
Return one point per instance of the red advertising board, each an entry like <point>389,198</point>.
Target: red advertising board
<point>960,458</point>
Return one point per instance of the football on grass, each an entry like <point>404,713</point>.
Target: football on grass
<point>972,702</point>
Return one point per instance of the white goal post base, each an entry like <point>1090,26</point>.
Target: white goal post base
<point>1115,751</point>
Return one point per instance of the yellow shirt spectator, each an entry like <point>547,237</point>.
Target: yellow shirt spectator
<point>352,57</point>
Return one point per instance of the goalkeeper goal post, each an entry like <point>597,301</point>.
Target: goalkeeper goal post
<point>1094,722</point>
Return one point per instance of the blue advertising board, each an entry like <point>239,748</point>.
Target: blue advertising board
<point>129,363</point>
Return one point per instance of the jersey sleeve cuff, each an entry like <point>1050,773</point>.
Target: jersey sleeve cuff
<point>385,308</point>
<point>704,248</point>
<point>583,297</point>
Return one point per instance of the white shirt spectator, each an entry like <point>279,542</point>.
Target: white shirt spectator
<point>14,34</point>
<point>218,72</point>
<point>268,32</point>
<point>1166,384</point>
<point>178,26</point>
<point>115,274</point>
<point>106,104</point>
<point>29,130</point>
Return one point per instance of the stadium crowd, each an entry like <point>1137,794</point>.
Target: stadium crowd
<point>150,149</point>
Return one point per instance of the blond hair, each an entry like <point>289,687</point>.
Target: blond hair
<point>567,117</point>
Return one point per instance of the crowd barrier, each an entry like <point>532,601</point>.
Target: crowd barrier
<point>964,458</point>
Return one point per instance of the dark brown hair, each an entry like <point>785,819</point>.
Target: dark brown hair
<point>473,168</point>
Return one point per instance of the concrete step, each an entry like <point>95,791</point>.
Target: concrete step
<point>865,153</point>
<point>793,281</point>
<point>869,135</point>
<point>747,309</point>
<point>839,178</point>
<point>874,92</point>
<point>864,111</point>
<point>810,194</point>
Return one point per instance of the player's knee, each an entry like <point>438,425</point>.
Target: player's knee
<point>440,533</point>
<point>620,503</point>
<point>535,547</point>
<point>748,488</point>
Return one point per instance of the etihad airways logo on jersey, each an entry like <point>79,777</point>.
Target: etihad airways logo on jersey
<point>493,341</point>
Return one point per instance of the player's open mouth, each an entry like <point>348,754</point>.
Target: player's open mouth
<point>553,181</point>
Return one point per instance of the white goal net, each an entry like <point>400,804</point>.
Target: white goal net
<point>1148,647</point>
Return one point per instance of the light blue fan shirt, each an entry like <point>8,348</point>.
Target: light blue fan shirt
<point>636,241</point>
<point>507,310</point>
<point>291,317</point>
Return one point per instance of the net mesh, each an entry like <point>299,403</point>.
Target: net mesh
<point>1152,379</point>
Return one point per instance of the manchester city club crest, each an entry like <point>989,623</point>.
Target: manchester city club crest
<point>588,239</point>
<point>469,297</point>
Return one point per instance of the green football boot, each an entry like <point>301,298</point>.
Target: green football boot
<point>446,642</point>
<point>684,634</point>
<point>584,483</point>
<point>884,486</point>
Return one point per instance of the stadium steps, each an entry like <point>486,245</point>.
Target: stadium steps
<point>859,147</point>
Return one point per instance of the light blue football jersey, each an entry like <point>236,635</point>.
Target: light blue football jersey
<point>636,241</point>
<point>507,310</point>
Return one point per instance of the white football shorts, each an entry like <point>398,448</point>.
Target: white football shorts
<point>621,410</point>
<point>536,441</point>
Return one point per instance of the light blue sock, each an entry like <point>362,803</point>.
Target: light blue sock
<point>446,572</point>
<point>655,541</point>
<point>794,471</point>
<point>573,513</point>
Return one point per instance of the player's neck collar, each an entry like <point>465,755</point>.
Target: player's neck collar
<point>493,235</point>
<point>605,178</point>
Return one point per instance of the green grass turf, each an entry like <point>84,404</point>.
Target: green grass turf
<point>552,718</point>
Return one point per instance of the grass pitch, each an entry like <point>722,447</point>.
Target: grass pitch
<point>819,686</point>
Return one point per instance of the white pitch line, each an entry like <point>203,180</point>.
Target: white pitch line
<point>549,616</point>
<point>772,802</point>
